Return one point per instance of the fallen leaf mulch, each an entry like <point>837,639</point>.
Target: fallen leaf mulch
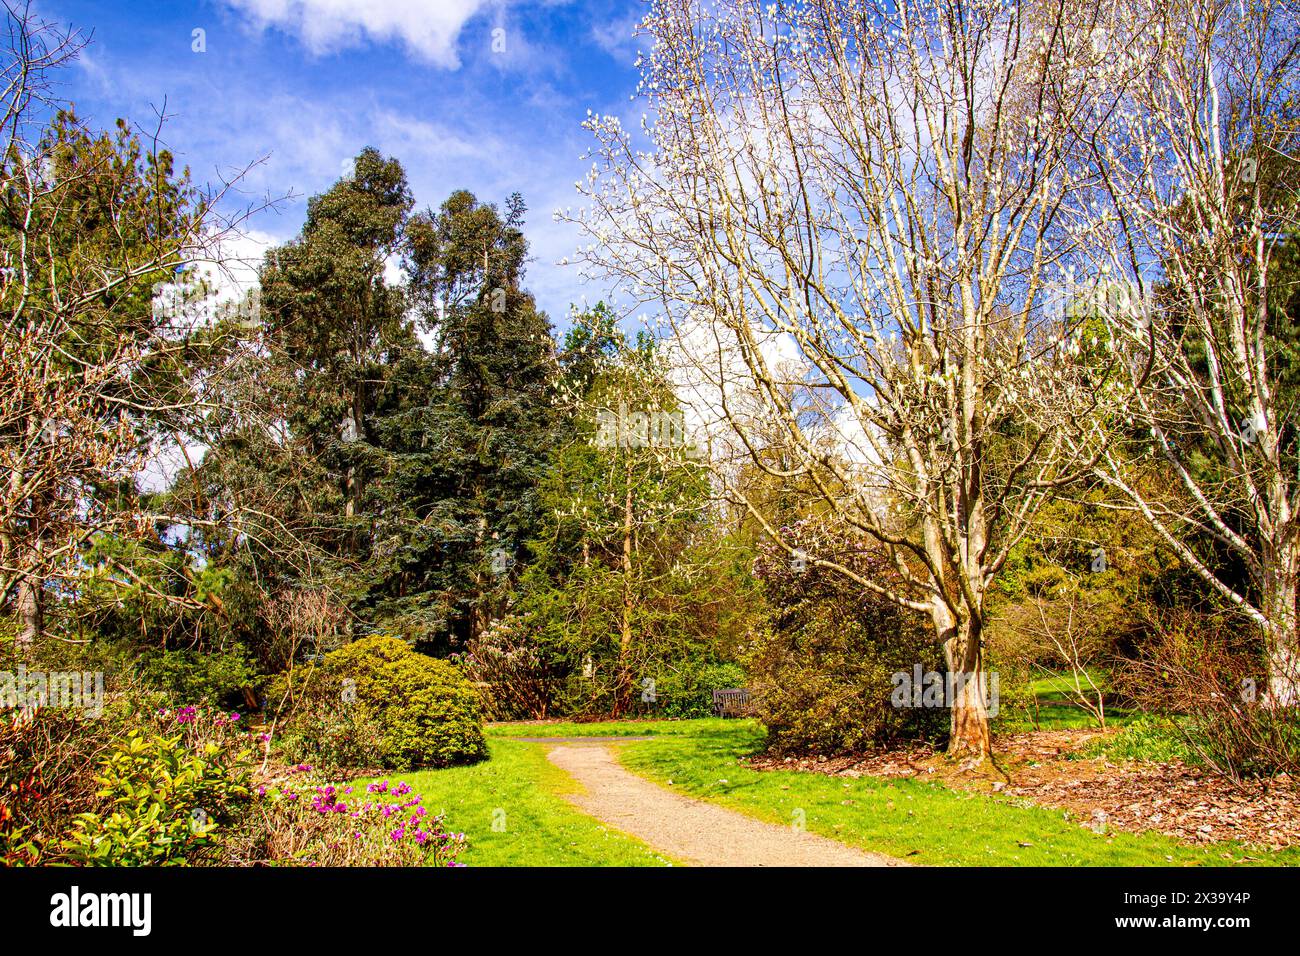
<point>1188,803</point>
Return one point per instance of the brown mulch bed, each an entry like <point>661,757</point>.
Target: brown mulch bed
<point>1187,803</point>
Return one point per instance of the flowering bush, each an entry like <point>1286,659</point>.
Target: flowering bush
<point>178,789</point>
<point>169,790</point>
<point>308,823</point>
<point>332,734</point>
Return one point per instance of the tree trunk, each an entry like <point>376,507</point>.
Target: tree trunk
<point>30,614</point>
<point>623,694</point>
<point>1281,639</point>
<point>969,706</point>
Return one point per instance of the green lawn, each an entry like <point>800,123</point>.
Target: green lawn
<point>521,790</point>
<point>921,822</point>
<point>1057,706</point>
<point>611,728</point>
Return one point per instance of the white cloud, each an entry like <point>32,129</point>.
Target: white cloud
<point>230,273</point>
<point>715,384</point>
<point>427,28</point>
<point>409,138</point>
<point>233,271</point>
<point>618,38</point>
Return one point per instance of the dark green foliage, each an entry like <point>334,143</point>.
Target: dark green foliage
<point>334,318</point>
<point>406,479</point>
<point>220,677</point>
<point>471,458</point>
<point>181,623</point>
<point>821,674</point>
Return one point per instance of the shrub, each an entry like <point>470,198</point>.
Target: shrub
<point>516,675</point>
<point>306,823</point>
<point>423,712</point>
<point>222,677</point>
<point>687,690</point>
<point>1212,675</point>
<point>48,760</point>
<point>822,671</point>
<point>169,790</point>
<point>335,736</point>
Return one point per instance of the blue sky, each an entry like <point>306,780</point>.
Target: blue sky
<point>308,83</point>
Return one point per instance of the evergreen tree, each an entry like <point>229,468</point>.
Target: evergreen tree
<point>399,431</point>
<point>294,449</point>
<point>334,316</point>
<point>473,451</point>
<point>91,374</point>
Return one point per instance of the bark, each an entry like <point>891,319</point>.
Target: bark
<point>30,614</point>
<point>1281,639</point>
<point>969,712</point>
<point>624,691</point>
<point>354,485</point>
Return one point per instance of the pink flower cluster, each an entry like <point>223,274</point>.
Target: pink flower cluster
<point>190,714</point>
<point>407,820</point>
<point>400,789</point>
<point>325,800</point>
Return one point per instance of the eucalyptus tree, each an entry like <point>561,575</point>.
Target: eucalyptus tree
<point>332,313</point>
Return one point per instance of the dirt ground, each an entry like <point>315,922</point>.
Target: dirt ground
<point>691,830</point>
<point>1184,802</point>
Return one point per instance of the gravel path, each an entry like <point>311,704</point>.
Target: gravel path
<point>691,830</point>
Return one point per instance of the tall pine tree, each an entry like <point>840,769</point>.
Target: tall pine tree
<point>474,451</point>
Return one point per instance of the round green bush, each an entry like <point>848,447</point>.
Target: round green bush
<point>424,711</point>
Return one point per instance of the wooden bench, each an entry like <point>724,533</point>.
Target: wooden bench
<point>731,702</point>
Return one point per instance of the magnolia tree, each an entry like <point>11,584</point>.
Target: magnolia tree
<point>852,216</point>
<point>1199,158</point>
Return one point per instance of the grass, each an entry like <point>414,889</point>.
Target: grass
<point>1054,714</point>
<point>1057,706</point>
<point>925,823</point>
<point>610,728</point>
<point>521,791</point>
<point>1061,684</point>
<point>921,822</point>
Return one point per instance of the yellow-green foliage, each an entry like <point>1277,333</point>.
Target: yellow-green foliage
<point>426,713</point>
<point>167,796</point>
